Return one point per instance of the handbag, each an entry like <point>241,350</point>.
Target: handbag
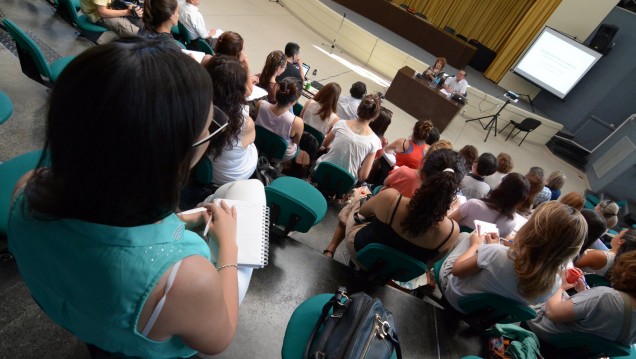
<point>359,327</point>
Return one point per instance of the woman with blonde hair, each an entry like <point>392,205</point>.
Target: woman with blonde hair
<point>410,151</point>
<point>555,182</point>
<point>609,210</point>
<point>320,112</point>
<point>527,271</point>
<point>275,64</point>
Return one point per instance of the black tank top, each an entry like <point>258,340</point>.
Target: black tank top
<point>380,232</point>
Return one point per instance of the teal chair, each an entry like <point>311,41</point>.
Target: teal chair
<point>332,179</point>
<point>270,144</point>
<point>87,29</point>
<point>301,324</point>
<point>632,355</point>
<point>6,107</point>
<point>297,109</point>
<point>32,60</point>
<point>583,345</point>
<point>320,137</point>
<point>383,263</point>
<point>204,46</point>
<point>10,173</point>
<point>201,173</point>
<point>595,280</point>
<point>184,36</point>
<point>294,204</point>
<point>175,32</point>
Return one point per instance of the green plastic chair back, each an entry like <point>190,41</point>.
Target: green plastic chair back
<point>598,346</point>
<point>495,308</point>
<point>6,107</point>
<point>465,229</point>
<point>27,44</point>
<point>314,132</point>
<point>270,144</point>
<point>293,197</point>
<point>202,172</point>
<point>10,173</point>
<point>595,280</point>
<point>204,46</point>
<point>388,263</point>
<point>437,267</point>
<point>333,179</point>
<point>185,35</point>
<point>297,109</point>
<point>301,324</point>
<point>377,189</point>
<point>82,22</point>
<point>175,31</point>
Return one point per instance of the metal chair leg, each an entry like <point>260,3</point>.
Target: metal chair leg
<point>524,138</point>
<point>502,130</point>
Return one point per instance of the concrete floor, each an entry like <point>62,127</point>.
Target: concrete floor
<point>24,330</point>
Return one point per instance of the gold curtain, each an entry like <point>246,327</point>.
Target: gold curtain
<point>526,30</point>
<point>490,22</point>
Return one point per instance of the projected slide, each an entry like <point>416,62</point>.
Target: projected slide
<point>555,62</point>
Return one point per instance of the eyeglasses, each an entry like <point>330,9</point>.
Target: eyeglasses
<point>219,120</point>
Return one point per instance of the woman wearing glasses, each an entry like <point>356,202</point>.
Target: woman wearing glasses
<point>93,228</point>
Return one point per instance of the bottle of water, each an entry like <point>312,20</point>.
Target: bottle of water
<point>434,82</point>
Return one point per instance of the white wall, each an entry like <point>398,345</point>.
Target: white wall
<point>573,17</point>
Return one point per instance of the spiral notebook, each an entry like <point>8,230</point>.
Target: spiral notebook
<point>252,234</point>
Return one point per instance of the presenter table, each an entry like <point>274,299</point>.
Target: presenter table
<point>418,99</point>
<point>295,272</point>
<point>421,32</point>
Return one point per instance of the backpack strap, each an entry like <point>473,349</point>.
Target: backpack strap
<point>627,320</point>
<point>339,308</point>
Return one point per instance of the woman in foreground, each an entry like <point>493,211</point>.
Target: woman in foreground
<point>94,229</point>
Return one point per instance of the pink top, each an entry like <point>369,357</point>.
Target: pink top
<point>405,180</point>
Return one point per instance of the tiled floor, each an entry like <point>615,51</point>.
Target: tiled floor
<point>26,332</point>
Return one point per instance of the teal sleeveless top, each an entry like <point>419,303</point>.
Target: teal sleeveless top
<point>94,279</point>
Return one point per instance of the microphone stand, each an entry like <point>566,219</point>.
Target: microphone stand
<point>493,120</point>
<point>333,43</point>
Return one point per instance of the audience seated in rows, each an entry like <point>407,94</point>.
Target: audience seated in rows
<point>348,105</point>
<point>352,144</point>
<point>233,153</point>
<point>555,182</point>
<point>159,17</point>
<point>600,262</point>
<point>102,267</point>
<point>121,21</point>
<point>504,166</point>
<point>293,66</point>
<point>192,19</point>
<point>599,310</point>
<point>407,180</point>
<point>473,185</point>
<point>528,270</point>
<point>497,207</point>
<point>320,111</point>
<point>410,151</point>
<point>278,119</point>
<point>274,66</point>
<point>596,226</point>
<point>418,226</point>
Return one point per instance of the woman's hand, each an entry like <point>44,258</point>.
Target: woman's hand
<point>477,239</point>
<point>223,222</point>
<point>491,238</point>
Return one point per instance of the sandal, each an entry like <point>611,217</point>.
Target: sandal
<point>327,253</point>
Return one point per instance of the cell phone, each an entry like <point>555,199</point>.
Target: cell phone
<point>315,72</point>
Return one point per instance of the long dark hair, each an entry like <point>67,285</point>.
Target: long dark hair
<point>327,97</point>
<point>369,107</point>
<point>432,200</point>
<point>229,43</point>
<point>274,60</point>
<point>119,152</point>
<point>228,78</point>
<point>512,190</point>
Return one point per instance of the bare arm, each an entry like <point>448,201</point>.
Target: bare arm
<point>455,215</point>
<point>103,11</point>
<point>328,139</point>
<point>395,145</point>
<point>466,264</point>
<point>297,130</point>
<point>249,132</point>
<point>365,168</point>
<point>371,207</point>
<point>559,310</point>
<point>302,113</point>
<point>594,259</point>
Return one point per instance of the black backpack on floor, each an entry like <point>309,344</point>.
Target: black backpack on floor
<point>359,327</point>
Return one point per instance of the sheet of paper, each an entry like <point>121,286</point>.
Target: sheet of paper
<point>257,92</point>
<point>218,33</point>
<point>197,55</point>
<point>446,93</point>
<point>486,227</point>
